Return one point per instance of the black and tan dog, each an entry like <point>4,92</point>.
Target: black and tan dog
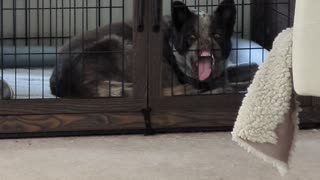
<point>196,48</point>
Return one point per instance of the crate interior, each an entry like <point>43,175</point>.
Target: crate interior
<point>32,31</point>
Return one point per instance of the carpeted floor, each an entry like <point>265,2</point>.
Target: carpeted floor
<point>209,156</point>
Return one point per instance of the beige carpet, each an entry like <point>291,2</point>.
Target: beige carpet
<point>165,157</point>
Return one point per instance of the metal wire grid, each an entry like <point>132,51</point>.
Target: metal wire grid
<point>280,10</point>
<point>49,23</point>
<point>72,15</point>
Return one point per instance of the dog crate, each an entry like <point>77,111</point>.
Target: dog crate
<point>33,32</point>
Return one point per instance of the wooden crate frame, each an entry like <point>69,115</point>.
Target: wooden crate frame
<point>147,111</point>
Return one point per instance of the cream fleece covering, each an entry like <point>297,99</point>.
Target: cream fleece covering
<point>267,120</point>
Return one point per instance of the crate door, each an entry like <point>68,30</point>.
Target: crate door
<point>190,88</point>
<point>97,83</point>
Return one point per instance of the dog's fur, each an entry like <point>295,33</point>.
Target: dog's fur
<point>185,34</point>
<point>6,92</point>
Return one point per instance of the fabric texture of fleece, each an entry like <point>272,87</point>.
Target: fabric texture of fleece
<point>269,95</point>
<point>267,104</point>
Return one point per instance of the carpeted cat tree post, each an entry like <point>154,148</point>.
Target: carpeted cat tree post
<point>268,120</point>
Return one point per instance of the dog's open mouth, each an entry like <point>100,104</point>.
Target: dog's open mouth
<point>206,65</point>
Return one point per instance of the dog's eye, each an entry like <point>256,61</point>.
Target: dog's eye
<point>189,40</point>
<point>217,36</point>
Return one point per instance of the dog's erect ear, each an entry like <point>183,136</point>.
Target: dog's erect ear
<point>180,14</point>
<point>225,15</point>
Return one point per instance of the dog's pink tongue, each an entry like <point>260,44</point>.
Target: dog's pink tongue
<point>204,66</point>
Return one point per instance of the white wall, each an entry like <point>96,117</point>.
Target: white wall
<point>66,22</point>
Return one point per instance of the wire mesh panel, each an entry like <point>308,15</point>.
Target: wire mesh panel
<point>66,68</point>
<point>270,18</point>
<point>84,48</point>
<point>66,48</point>
<point>212,45</point>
